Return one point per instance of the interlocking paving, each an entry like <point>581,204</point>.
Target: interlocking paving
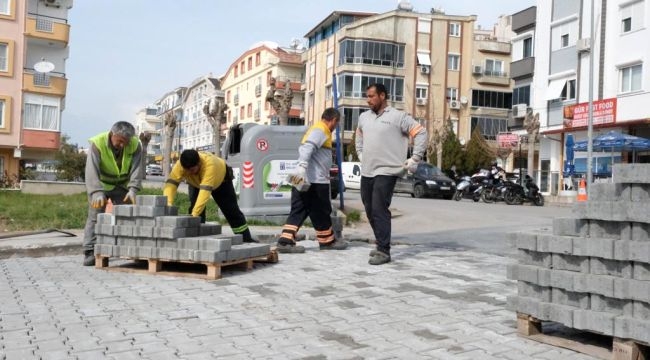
<point>429,303</point>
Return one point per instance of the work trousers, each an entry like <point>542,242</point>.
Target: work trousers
<point>315,203</point>
<point>90,238</point>
<point>226,200</point>
<point>376,195</point>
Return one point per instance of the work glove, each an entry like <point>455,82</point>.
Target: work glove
<point>130,197</point>
<point>299,177</point>
<point>411,165</point>
<point>98,200</point>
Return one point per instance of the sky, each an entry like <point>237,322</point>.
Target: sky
<point>126,54</point>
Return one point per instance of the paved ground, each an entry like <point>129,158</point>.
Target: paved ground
<point>430,303</point>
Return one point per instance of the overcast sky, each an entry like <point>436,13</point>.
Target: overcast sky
<point>125,54</point>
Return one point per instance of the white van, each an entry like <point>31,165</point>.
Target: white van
<point>351,175</point>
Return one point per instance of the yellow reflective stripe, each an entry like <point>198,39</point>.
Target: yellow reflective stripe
<point>173,182</point>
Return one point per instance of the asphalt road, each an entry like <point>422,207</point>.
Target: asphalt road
<point>461,224</point>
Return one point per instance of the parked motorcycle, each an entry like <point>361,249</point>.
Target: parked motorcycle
<point>467,186</point>
<point>529,192</point>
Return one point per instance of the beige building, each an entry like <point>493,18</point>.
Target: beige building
<point>147,121</point>
<point>423,59</point>
<point>31,96</point>
<point>246,83</point>
<point>195,130</point>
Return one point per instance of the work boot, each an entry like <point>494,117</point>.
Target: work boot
<point>334,245</point>
<point>251,240</point>
<point>373,252</point>
<point>286,246</point>
<point>89,258</point>
<point>379,258</point>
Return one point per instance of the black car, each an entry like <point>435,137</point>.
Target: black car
<point>427,180</point>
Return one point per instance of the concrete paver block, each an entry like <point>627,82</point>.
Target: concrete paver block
<point>534,258</point>
<point>175,232</point>
<point>210,229</point>
<point>570,227</point>
<point>208,256</point>
<point>143,231</point>
<point>559,313</point>
<point>123,210</point>
<point>127,241</point>
<point>171,211</point>
<point>140,221</point>
<point>570,263</point>
<point>124,230</point>
<point>598,266</point>
<point>149,211</point>
<point>101,229</point>
<point>641,271</point>
<point>182,221</point>
<point>151,200</point>
<point>105,219</point>
<point>107,239</point>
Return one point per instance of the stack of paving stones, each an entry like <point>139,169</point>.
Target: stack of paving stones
<point>593,271</point>
<point>152,230</point>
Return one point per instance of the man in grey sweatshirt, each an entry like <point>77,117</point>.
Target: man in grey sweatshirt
<point>382,139</point>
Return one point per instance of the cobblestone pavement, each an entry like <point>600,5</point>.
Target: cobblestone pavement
<point>429,303</point>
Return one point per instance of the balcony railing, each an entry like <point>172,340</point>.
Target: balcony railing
<point>52,83</point>
<point>48,28</point>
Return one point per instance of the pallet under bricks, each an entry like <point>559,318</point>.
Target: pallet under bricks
<point>592,272</point>
<point>151,229</point>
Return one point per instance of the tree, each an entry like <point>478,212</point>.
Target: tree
<point>352,148</point>
<point>452,150</point>
<point>70,163</point>
<point>478,153</point>
<point>169,121</point>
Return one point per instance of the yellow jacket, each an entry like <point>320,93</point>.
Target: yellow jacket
<point>211,174</point>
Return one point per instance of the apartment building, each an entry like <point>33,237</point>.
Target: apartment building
<point>423,59</point>
<point>32,96</point>
<point>564,44</point>
<point>170,105</point>
<point>247,81</point>
<point>195,130</point>
<point>490,98</point>
<point>147,121</point>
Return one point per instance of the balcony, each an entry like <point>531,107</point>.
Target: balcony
<point>258,90</point>
<point>256,114</point>
<point>39,139</point>
<point>235,100</point>
<point>494,47</point>
<point>524,19</point>
<point>489,77</point>
<point>39,83</point>
<point>522,68</point>
<point>48,28</point>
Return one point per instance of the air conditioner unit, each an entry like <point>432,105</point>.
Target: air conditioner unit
<point>54,3</point>
<point>454,104</point>
<point>425,69</point>
<point>519,110</point>
<point>421,101</point>
<point>583,45</point>
<point>477,69</point>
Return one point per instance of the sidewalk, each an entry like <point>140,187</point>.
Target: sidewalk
<point>429,303</point>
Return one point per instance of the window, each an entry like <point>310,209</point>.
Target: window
<point>228,96</point>
<point>250,63</point>
<point>491,99</point>
<point>632,16</point>
<point>569,90</point>
<point>4,7</point>
<point>41,113</point>
<point>528,47</point>
<point>452,93</point>
<point>269,75</point>
<point>490,127</point>
<point>371,53</point>
<point>258,59</point>
<point>494,68</point>
<point>241,112</point>
<point>354,85</point>
<point>330,60</point>
<point>328,92</point>
<point>236,70</point>
<point>351,117</point>
<point>4,57</point>
<point>631,78</point>
<point>249,110</point>
<point>421,92</point>
<point>454,29</point>
<point>521,95</point>
<point>453,62</point>
<point>564,40</point>
<point>424,26</point>
<point>626,25</point>
<point>242,67</point>
<point>4,108</point>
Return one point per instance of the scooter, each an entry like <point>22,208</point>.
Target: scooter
<point>467,186</point>
<point>518,194</point>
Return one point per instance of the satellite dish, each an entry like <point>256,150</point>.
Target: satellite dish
<point>44,66</point>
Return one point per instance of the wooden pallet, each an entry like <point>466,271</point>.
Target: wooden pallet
<point>596,345</point>
<point>181,268</point>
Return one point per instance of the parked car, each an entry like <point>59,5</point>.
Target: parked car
<point>153,169</point>
<point>427,180</point>
<point>351,175</point>
<point>334,181</point>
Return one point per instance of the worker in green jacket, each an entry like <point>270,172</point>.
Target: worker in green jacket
<point>112,172</point>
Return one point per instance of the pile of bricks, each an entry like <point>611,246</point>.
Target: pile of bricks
<point>593,271</point>
<point>152,230</point>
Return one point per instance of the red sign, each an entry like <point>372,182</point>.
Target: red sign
<point>507,140</point>
<point>604,112</point>
<point>262,145</point>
